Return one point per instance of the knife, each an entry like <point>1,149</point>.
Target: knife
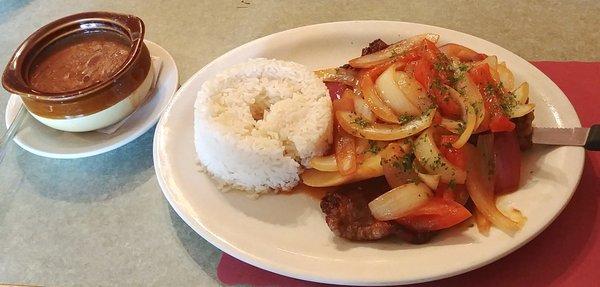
<point>589,138</point>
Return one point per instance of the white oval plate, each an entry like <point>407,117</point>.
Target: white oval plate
<point>287,234</point>
<point>42,140</point>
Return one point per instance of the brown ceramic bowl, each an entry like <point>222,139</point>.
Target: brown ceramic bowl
<point>111,96</point>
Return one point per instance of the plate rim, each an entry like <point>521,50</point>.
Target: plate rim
<point>146,126</point>
<point>286,270</point>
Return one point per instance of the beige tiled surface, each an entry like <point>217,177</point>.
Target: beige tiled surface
<point>104,221</point>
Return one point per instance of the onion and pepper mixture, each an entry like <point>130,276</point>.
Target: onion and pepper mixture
<point>425,137</point>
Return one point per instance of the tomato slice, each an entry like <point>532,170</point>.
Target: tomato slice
<point>501,124</point>
<point>410,68</point>
<point>453,155</point>
<point>461,194</point>
<point>449,107</point>
<point>507,157</point>
<point>436,214</point>
<point>423,72</point>
<point>430,51</point>
<point>345,102</point>
<point>495,120</point>
<point>481,75</point>
<point>437,118</point>
<point>456,192</point>
<point>463,53</point>
<point>444,191</point>
<point>481,191</point>
<point>433,79</point>
<point>423,66</point>
<point>376,71</point>
<point>336,89</point>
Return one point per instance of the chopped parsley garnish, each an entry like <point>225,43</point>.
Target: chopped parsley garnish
<point>448,144</point>
<point>442,64</point>
<point>459,74</point>
<point>438,162</point>
<point>508,103</point>
<point>436,84</point>
<point>405,162</point>
<point>453,80</point>
<point>461,127</point>
<point>363,123</point>
<point>476,107</point>
<point>404,118</point>
<point>489,89</point>
<point>439,66</point>
<point>374,148</point>
<point>339,71</point>
<point>452,184</point>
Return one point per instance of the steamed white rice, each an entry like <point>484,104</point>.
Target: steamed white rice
<point>257,122</point>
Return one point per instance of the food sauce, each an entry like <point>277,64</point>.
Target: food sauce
<point>376,186</point>
<point>314,192</point>
<point>78,61</point>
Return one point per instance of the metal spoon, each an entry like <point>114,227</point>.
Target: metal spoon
<point>11,131</point>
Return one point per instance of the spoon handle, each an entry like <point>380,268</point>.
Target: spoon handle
<point>11,131</point>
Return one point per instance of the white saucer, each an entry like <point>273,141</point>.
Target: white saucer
<point>41,140</point>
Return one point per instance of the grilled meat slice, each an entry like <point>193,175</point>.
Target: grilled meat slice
<point>374,46</point>
<point>347,213</point>
<point>524,130</point>
<point>414,237</point>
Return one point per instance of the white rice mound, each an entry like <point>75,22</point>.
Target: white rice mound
<point>258,122</point>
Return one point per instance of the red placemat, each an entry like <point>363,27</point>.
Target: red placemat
<point>565,254</point>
